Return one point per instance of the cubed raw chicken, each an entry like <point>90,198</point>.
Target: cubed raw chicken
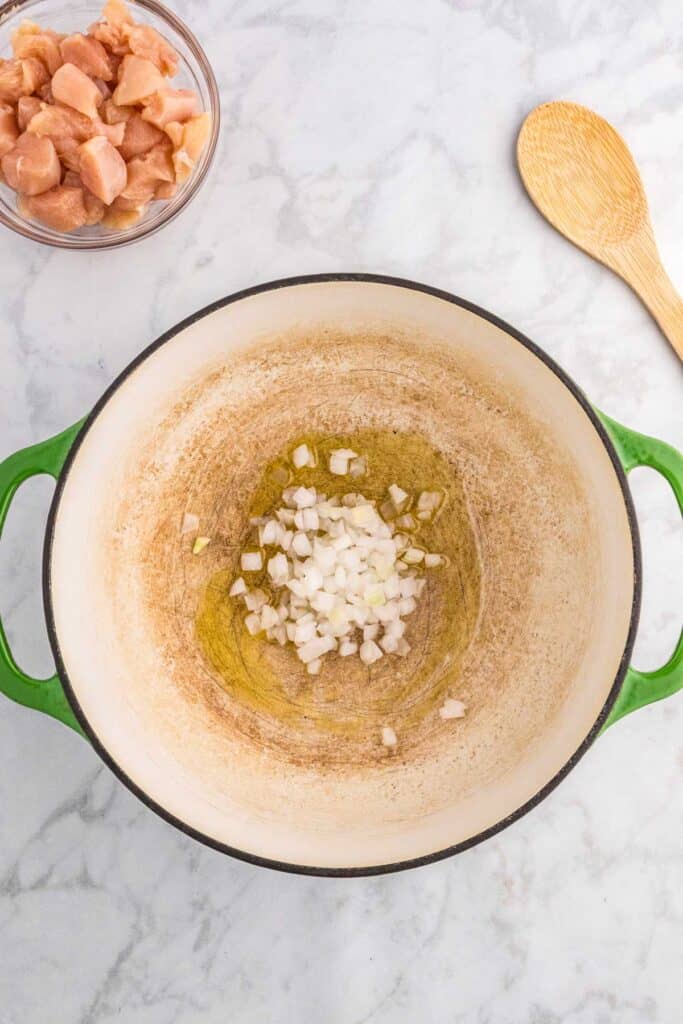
<point>89,130</point>
<point>105,91</point>
<point>171,105</point>
<point>30,40</point>
<point>138,80</point>
<point>73,88</point>
<point>145,41</point>
<point>45,92</point>
<point>195,133</point>
<point>111,30</point>
<point>115,12</point>
<point>21,78</point>
<point>111,113</point>
<point>32,166</point>
<point>9,129</point>
<point>65,126</point>
<point>87,54</point>
<point>120,220</point>
<point>27,108</point>
<point>102,169</point>
<point>145,174</point>
<point>139,137</point>
<point>94,207</point>
<point>165,190</point>
<point>174,130</point>
<point>114,133</point>
<point>62,208</point>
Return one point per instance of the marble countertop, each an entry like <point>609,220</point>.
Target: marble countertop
<point>364,135</point>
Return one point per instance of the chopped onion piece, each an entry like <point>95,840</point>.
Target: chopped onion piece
<point>238,587</point>
<point>433,561</point>
<point>269,617</point>
<point>199,544</point>
<point>388,644</point>
<point>253,623</point>
<point>313,667</point>
<point>251,561</point>
<point>255,600</point>
<point>399,497</point>
<point>301,545</point>
<point>338,466</point>
<point>302,457</point>
<point>389,737</point>
<point>369,652</point>
<point>406,522</point>
<point>278,568</point>
<point>452,709</point>
<point>358,467</point>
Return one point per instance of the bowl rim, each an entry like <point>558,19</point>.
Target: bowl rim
<point>35,232</point>
<point>550,785</point>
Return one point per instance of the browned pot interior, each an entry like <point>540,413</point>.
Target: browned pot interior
<point>527,626</point>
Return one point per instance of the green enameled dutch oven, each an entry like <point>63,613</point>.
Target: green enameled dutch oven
<point>532,626</point>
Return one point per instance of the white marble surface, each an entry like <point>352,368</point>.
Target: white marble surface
<point>361,135</point>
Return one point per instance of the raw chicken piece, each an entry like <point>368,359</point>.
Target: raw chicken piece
<point>145,41</point>
<point>105,91</point>
<point>32,166</point>
<point>138,79</point>
<point>195,133</point>
<point>111,113</point>
<point>115,12</point>
<point>111,30</point>
<point>9,131</point>
<point>87,54</point>
<point>20,78</point>
<point>145,173</point>
<point>119,220</point>
<point>174,130</point>
<point>171,105</point>
<point>139,138</point>
<point>94,207</point>
<point>67,129</point>
<point>62,208</point>
<point>166,190</point>
<point>113,133</point>
<point>30,40</point>
<point>45,92</point>
<point>27,108</point>
<point>72,87</point>
<point>63,125</point>
<point>103,169</point>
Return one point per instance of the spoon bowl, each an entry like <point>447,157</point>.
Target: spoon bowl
<point>582,177</point>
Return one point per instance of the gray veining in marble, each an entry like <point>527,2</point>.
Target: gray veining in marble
<point>361,135</point>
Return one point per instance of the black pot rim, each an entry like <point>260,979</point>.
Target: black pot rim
<point>303,869</point>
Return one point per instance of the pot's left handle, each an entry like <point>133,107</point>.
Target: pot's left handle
<point>44,695</point>
<point>633,449</point>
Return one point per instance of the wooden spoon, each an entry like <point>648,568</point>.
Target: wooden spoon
<point>582,177</point>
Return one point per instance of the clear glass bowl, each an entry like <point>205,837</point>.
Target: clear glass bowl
<point>194,72</point>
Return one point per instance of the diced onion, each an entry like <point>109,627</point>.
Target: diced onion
<point>452,709</point>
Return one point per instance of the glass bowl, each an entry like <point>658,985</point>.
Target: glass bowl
<point>194,72</point>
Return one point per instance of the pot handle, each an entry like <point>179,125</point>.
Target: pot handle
<point>44,695</point>
<point>633,449</point>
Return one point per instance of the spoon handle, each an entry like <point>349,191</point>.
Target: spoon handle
<point>641,268</point>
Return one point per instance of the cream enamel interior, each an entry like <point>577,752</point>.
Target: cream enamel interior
<point>553,535</point>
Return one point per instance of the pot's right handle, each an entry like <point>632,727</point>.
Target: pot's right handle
<point>633,449</point>
<point>44,695</point>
